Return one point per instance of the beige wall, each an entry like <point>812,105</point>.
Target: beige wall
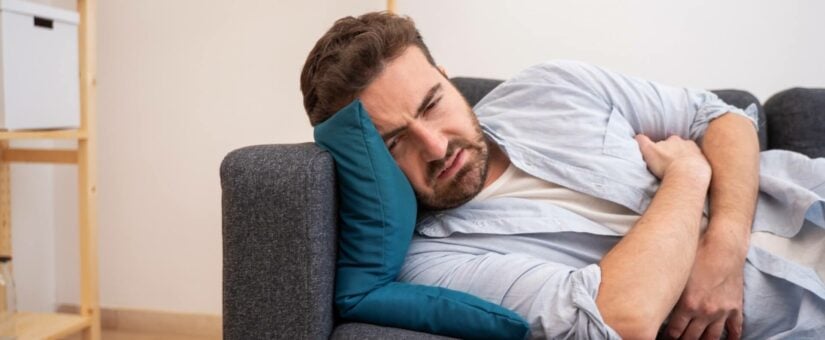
<point>180,84</point>
<point>183,82</point>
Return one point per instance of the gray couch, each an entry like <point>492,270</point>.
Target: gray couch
<point>279,223</point>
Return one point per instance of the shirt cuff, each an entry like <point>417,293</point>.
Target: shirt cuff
<point>586,282</point>
<point>717,108</point>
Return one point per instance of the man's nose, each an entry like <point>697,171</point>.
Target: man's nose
<point>433,143</point>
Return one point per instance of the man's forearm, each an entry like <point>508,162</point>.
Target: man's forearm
<point>731,147</point>
<point>644,274</point>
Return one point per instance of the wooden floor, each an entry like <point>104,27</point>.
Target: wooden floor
<point>137,324</point>
<point>125,335</point>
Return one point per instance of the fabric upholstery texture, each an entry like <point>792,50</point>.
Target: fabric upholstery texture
<point>474,89</point>
<point>796,121</point>
<point>279,226</point>
<point>365,331</point>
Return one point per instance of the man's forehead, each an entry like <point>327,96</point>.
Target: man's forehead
<point>401,86</point>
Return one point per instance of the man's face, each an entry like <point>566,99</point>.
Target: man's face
<point>429,129</point>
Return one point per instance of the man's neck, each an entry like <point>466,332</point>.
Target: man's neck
<point>497,163</point>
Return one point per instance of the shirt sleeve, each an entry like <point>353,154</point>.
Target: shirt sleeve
<point>558,301</point>
<point>653,109</point>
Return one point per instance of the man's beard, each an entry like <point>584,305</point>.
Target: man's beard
<point>466,183</point>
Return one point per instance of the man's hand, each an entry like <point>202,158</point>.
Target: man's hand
<point>673,152</point>
<point>646,272</point>
<point>713,297</point>
<point>712,300</point>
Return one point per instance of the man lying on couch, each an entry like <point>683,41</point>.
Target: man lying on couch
<point>575,196</point>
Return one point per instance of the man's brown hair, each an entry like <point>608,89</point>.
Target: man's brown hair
<point>350,56</point>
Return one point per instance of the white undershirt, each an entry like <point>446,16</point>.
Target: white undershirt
<point>516,183</point>
<point>806,248</point>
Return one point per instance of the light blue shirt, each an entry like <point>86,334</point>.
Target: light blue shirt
<point>573,124</point>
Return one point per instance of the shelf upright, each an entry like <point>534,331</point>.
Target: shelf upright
<point>87,320</point>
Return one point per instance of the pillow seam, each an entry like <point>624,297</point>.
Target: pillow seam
<point>378,189</point>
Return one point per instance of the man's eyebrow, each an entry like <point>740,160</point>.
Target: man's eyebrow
<point>421,108</point>
<point>427,99</point>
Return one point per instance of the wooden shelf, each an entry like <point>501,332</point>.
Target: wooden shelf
<point>38,156</point>
<point>44,134</point>
<point>48,326</point>
<point>59,325</point>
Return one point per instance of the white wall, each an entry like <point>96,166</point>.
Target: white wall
<point>183,82</point>
<point>34,220</point>
<point>33,232</point>
<point>761,46</point>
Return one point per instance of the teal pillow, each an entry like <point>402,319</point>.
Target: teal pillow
<point>377,210</point>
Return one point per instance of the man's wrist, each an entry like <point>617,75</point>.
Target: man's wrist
<point>728,237</point>
<point>696,171</point>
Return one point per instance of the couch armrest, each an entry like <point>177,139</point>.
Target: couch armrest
<point>279,242</point>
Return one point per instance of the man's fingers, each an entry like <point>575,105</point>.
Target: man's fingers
<point>734,326</point>
<point>645,145</point>
<point>677,324</point>
<point>643,141</point>
<point>714,331</point>
<point>695,330</point>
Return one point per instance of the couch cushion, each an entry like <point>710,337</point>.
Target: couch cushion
<point>796,121</point>
<point>377,214</point>
<point>473,89</point>
<point>363,331</point>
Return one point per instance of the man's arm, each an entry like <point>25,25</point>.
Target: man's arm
<point>731,146</point>
<point>713,295</point>
<point>645,273</point>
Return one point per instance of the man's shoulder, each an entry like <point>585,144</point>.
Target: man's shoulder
<point>533,83</point>
<point>557,69</point>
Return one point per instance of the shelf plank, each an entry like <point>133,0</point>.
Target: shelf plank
<point>48,325</point>
<point>39,156</point>
<point>44,134</point>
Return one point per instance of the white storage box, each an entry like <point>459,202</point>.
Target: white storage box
<point>39,75</point>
